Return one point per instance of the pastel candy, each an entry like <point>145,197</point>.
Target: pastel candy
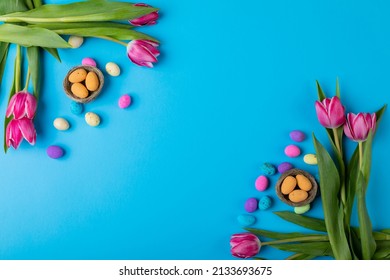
<point>302,209</point>
<point>55,152</point>
<point>75,41</point>
<point>92,119</point>
<point>124,101</point>
<point>284,166</point>
<point>297,195</point>
<point>113,69</point>
<point>251,205</point>
<point>246,220</point>
<point>268,169</point>
<point>76,108</point>
<point>292,151</point>
<point>297,136</point>
<point>265,203</point>
<point>310,159</point>
<point>88,61</point>
<point>261,183</point>
<point>61,124</point>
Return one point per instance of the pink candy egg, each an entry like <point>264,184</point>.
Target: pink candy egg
<point>261,183</point>
<point>124,101</point>
<point>292,151</point>
<point>88,61</point>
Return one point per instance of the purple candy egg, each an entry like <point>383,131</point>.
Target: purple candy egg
<point>55,151</point>
<point>251,205</point>
<point>297,136</point>
<point>284,166</point>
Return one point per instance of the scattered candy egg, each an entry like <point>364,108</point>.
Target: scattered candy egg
<point>284,166</point>
<point>76,107</point>
<point>246,220</point>
<point>310,159</point>
<point>92,81</point>
<point>78,75</point>
<point>288,185</point>
<point>297,136</point>
<point>79,90</point>
<point>261,183</point>
<point>292,151</point>
<point>303,182</point>
<point>298,196</point>
<point>75,41</point>
<point>88,61</point>
<point>113,69</point>
<point>124,101</point>
<point>61,124</point>
<point>251,205</point>
<point>302,209</point>
<point>265,203</point>
<point>55,152</point>
<point>92,119</point>
<point>268,169</point>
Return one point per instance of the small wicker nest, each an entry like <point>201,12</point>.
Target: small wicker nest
<point>92,95</point>
<point>293,172</point>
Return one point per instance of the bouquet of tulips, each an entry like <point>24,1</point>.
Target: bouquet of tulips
<point>31,26</point>
<point>342,183</point>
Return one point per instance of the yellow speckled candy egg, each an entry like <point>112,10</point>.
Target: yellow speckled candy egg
<point>303,182</point>
<point>288,185</point>
<point>92,119</point>
<point>75,41</point>
<point>310,159</point>
<point>78,75</point>
<point>298,196</point>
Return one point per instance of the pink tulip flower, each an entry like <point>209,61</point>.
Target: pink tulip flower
<point>143,52</point>
<point>358,126</point>
<point>148,19</point>
<point>244,245</point>
<point>17,129</point>
<point>22,104</point>
<point>330,112</point>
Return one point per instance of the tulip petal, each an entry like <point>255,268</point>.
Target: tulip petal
<point>11,105</point>
<point>30,105</point>
<point>336,112</point>
<point>360,127</point>
<point>28,130</point>
<point>13,135</point>
<point>322,114</point>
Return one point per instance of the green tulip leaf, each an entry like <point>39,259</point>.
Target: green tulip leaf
<point>382,250</point>
<point>308,248</point>
<point>75,25</point>
<point>333,213</point>
<point>300,256</point>
<point>304,221</point>
<point>33,56</point>
<point>80,11</point>
<point>284,236</point>
<point>53,52</point>
<point>10,6</point>
<point>31,36</point>
<point>4,47</point>
<point>321,94</point>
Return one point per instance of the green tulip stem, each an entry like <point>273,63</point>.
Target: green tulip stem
<point>360,154</point>
<point>337,140</point>
<point>18,68</point>
<point>297,239</point>
<point>112,40</point>
<point>27,79</point>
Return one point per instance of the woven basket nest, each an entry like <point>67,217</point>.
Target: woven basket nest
<point>92,95</point>
<point>293,172</point>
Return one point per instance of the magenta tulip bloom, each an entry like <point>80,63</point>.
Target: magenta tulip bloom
<point>22,104</point>
<point>358,126</point>
<point>330,112</point>
<point>244,245</point>
<point>148,19</point>
<point>143,52</point>
<point>19,129</point>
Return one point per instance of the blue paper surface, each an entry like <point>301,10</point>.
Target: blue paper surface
<point>167,177</point>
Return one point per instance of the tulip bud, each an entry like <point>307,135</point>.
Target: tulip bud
<point>358,126</point>
<point>143,52</point>
<point>244,245</point>
<point>149,19</point>
<point>330,112</point>
<point>22,104</point>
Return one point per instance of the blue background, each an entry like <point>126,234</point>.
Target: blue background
<point>167,177</point>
